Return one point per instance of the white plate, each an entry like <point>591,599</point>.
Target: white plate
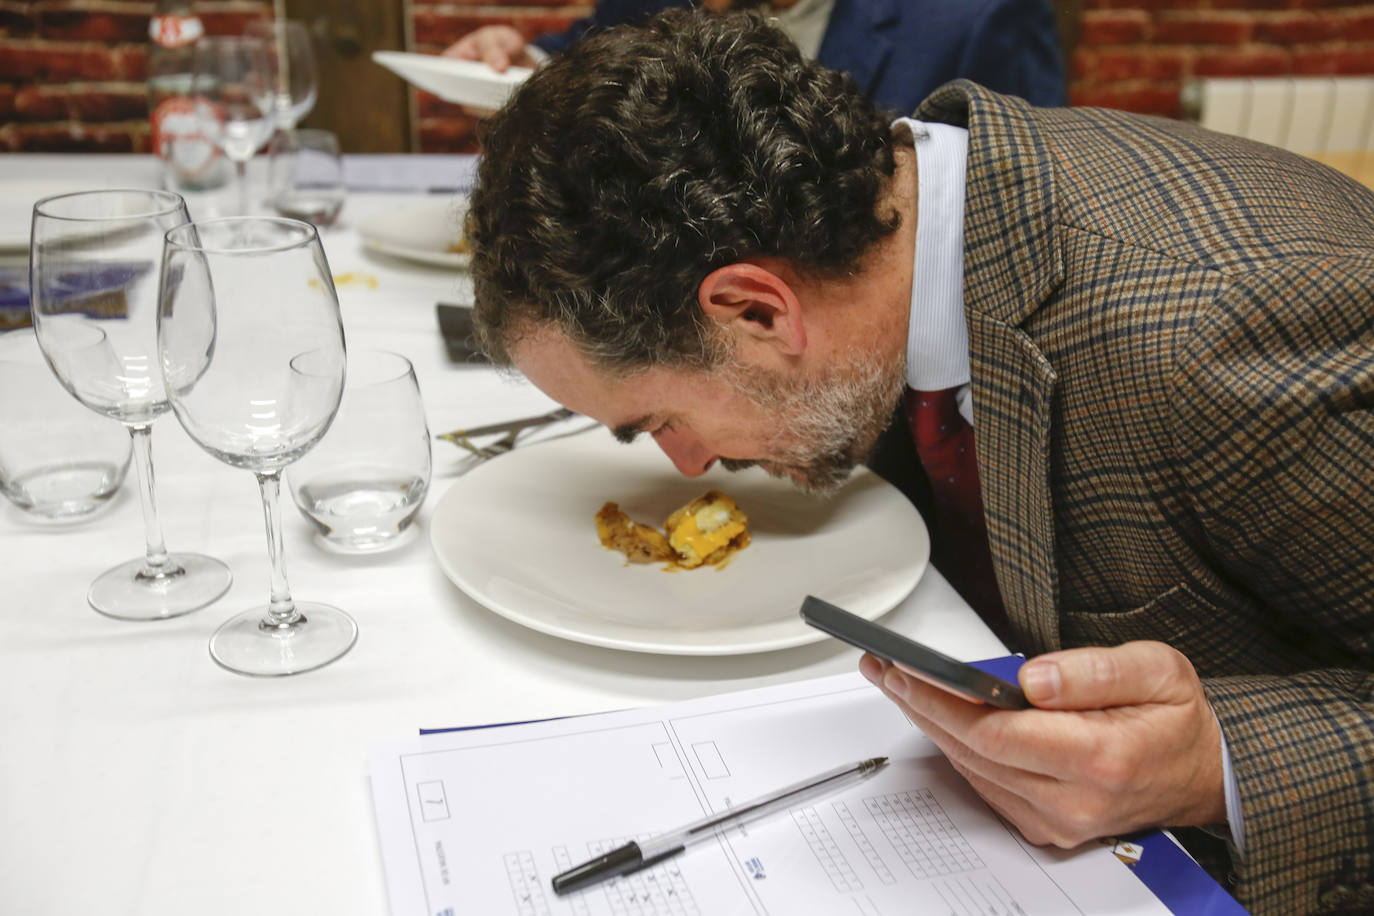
<point>423,232</point>
<point>463,82</point>
<point>518,534</point>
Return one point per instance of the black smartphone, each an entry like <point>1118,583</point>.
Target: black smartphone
<point>956,676</point>
<point>455,324</point>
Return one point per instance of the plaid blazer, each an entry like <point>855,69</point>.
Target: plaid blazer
<point>1172,345</point>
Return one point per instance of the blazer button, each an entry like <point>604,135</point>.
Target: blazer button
<point>1338,896</point>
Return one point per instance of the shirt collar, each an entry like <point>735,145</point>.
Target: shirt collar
<point>937,335</point>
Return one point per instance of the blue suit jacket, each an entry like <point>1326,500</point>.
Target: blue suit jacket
<point>898,51</point>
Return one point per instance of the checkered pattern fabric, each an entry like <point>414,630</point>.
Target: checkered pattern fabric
<point>1172,348</point>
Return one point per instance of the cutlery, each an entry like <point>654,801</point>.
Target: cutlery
<point>510,428</point>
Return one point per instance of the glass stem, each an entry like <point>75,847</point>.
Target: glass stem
<point>157,565</point>
<point>281,610</point>
<point>241,169</point>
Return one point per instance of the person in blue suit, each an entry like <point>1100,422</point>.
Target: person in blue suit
<point>898,51</point>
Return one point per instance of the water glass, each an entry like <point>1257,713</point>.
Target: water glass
<point>364,482</point>
<point>58,460</point>
<point>307,176</point>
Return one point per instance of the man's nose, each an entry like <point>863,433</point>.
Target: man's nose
<point>688,453</point>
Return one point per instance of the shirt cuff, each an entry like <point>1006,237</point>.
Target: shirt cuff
<point>1234,818</point>
<point>536,52</point>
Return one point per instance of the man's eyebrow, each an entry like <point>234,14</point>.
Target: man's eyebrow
<point>626,432</point>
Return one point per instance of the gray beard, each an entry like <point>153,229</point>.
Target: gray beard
<point>831,424</point>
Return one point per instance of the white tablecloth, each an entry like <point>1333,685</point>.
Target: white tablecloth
<point>137,777</point>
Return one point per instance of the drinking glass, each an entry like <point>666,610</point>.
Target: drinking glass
<point>307,179</point>
<point>233,85</point>
<point>365,482</point>
<point>292,63</point>
<point>58,460</point>
<point>93,266</point>
<point>252,353</point>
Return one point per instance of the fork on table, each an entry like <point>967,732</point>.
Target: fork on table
<point>510,430</point>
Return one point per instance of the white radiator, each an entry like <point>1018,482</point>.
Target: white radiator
<point>1304,114</point>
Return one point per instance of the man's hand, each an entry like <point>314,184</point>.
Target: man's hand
<point>1123,739</point>
<point>498,46</point>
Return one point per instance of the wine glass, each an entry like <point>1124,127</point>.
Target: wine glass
<point>93,272</point>
<point>292,63</point>
<point>252,354</point>
<point>233,86</point>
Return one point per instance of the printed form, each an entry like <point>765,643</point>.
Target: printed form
<point>479,821</point>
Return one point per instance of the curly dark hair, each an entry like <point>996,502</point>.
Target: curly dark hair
<point>629,167</point>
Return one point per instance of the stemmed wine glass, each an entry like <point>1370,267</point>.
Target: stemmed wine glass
<point>252,353</point>
<point>233,86</point>
<point>93,272</point>
<point>292,64</point>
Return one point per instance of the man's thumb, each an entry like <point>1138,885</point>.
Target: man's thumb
<point>1097,678</point>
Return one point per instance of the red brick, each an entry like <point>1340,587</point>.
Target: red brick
<point>1293,28</point>
<point>428,105</point>
<point>1158,100</point>
<point>444,28</point>
<point>1127,64</point>
<point>1360,26</point>
<point>1343,59</point>
<point>1113,27</point>
<point>1247,62</point>
<point>131,62</point>
<point>108,102</point>
<point>440,135</point>
<point>7,93</point>
<point>30,61</point>
<point>89,21</point>
<point>1323,4</point>
<point>231,22</point>
<point>1250,5</point>
<point>38,103</point>
<point>72,137</point>
<point>1198,28</point>
<point>16,19</point>
<point>440,6</point>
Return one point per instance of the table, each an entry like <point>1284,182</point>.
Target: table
<point>137,777</point>
<point>1358,164</point>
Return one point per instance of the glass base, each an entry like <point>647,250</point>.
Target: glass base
<point>322,634</point>
<point>124,593</point>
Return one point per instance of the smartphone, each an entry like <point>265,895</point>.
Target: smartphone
<point>955,676</point>
<point>455,324</point>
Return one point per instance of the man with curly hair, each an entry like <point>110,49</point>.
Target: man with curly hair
<point>1163,339</point>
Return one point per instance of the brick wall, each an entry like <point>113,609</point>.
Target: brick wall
<point>72,71</point>
<point>443,127</point>
<point>1138,55</point>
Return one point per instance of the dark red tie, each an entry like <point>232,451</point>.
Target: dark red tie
<point>944,443</point>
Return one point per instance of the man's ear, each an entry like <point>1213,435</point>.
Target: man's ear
<point>756,302</point>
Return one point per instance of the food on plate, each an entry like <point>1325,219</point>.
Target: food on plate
<point>639,543</point>
<point>704,532</point>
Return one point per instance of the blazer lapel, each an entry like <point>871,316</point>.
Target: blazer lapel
<point>1012,264</point>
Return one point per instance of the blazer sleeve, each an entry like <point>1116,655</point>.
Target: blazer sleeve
<point>1275,420</point>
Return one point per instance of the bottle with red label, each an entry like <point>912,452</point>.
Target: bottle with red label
<point>190,159</point>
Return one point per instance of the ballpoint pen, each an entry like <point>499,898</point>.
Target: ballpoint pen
<point>636,855</point>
